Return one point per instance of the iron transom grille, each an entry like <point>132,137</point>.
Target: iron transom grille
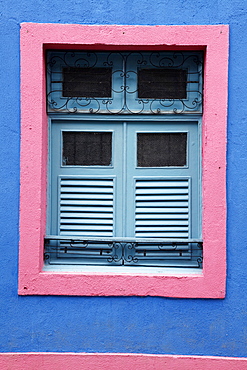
<point>124,82</point>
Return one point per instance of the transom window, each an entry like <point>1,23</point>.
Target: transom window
<point>124,82</point>
<point>125,158</point>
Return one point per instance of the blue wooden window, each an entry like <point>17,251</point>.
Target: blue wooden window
<point>124,189</point>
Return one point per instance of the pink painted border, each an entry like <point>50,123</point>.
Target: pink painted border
<point>116,361</point>
<point>35,38</point>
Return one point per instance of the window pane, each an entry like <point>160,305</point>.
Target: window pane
<point>87,148</point>
<point>162,83</point>
<point>161,149</point>
<point>87,82</point>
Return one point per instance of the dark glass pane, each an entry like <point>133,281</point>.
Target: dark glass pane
<point>162,83</point>
<point>87,82</point>
<point>161,149</point>
<point>87,148</point>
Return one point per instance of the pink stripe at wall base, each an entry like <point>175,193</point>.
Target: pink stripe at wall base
<point>116,361</point>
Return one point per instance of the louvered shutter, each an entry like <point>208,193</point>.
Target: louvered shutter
<point>86,207</point>
<point>162,208</point>
<point>162,211</point>
<point>86,211</point>
<point>165,203</point>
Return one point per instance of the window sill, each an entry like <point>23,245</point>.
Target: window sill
<point>95,283</point>
<point>123,270</point>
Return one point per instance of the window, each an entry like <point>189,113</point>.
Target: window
<point>126,122</point>
<point>125,191</point>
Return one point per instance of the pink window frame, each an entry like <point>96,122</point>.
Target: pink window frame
<point>35,39</point>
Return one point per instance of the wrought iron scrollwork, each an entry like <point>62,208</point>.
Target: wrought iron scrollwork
<point>116,255</point>
<point>130,253</point>
<point>124,93</point>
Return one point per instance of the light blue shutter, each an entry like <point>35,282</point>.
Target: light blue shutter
<point>165,204</point>
<point>162,208</point>
<point>84,198</point>
<point>86,211</point>
<point>162,211</point>
<point>86,207</point>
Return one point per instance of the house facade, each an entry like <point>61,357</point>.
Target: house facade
<point>123,185</point>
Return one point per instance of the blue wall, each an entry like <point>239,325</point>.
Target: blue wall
<point>130,324</point>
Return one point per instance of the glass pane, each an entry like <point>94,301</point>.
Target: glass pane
<point>87,148</point>
<point>162,83</point>
<point>87,82</point>
<point>161,149</point>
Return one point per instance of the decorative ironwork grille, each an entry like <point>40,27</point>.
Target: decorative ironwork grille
<point>128,252</point>
<point>124,82</point>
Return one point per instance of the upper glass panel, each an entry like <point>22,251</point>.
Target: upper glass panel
<point>162,83</point>
<point>166,82</point>
<point>95,82</point>
<point>84,148</point>
<point>161,149</point>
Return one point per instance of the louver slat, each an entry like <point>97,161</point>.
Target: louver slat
<point>162,208</point>
<point>86,207</point>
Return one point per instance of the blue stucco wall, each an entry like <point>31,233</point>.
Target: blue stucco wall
<point>129,324</point>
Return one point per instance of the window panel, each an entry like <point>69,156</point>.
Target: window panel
<point>161,149</point>
<point>87,148</point>
<point>162,83</point>
<point>168,82</point>
<point>84,82</point>
<point>87,82</point>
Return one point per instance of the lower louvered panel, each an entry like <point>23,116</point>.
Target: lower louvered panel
<point>86,207</point>
<point>162,208</point>
<point>86,223</point>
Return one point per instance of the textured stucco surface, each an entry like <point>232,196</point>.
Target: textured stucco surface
<point>123,324</point>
